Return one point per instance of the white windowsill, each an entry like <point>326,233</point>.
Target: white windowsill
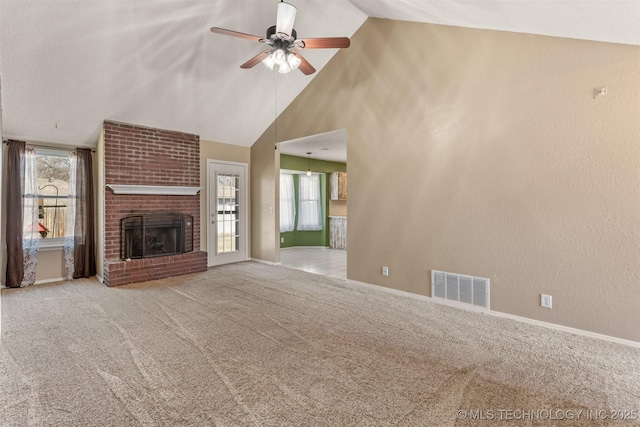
<point>46,245</point>
<point>154,189</point>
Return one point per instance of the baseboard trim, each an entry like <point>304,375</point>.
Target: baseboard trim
<point>37,282</point>
<point>306,247</point>
<point>264,261</point>
<point>521,319</point>
<point>43,281</point>
<point>58,279</point>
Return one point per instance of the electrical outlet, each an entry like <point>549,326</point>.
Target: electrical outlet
<point>385,270</point>
<point>545,300</point>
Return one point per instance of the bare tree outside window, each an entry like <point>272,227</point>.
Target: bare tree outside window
<point>53,186</point>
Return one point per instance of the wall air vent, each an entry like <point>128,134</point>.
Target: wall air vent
<point>459,287</point>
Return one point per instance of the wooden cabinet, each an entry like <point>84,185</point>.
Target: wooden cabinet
<point>338,182</point>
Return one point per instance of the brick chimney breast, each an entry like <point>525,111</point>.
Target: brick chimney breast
<point>138,155</point>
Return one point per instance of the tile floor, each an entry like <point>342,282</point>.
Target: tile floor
<point>324,261</point>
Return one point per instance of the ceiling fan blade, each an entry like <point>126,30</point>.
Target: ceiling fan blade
<point>235,34</point>
<point>256,59</point>
<point>304,66</point>
<point>284,19</point>
<point>325,43</point>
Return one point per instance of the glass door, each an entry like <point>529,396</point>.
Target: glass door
<point>227,213</point>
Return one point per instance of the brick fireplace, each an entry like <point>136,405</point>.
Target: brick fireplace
<point>149,171</point>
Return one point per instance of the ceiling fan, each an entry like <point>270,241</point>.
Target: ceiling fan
<point>283,43</point>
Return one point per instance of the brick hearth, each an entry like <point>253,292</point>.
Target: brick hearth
<point>137,155</point>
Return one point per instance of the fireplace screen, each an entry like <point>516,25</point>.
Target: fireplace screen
<point>155,234</point>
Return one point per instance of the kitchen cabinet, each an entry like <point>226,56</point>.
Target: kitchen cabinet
<point>338,232</point>
<point>338,183</point>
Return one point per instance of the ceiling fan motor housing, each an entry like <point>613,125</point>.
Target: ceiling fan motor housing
<point>273,36</point>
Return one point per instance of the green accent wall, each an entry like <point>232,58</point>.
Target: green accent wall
<point>310,238</point>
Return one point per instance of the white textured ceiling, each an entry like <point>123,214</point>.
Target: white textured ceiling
<point>615,21</point>
<point>330,146</point>
<point>67,65</point>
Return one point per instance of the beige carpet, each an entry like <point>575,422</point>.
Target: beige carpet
<point>255,345</point>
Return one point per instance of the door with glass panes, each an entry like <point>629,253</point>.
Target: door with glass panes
<point>227,213</point>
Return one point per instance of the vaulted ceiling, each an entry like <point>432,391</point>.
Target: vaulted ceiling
<point>67,65</point>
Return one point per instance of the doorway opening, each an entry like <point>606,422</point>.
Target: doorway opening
<point>320,250</point>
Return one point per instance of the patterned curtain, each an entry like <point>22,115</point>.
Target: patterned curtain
<point>31,230</point>
<point>79,247</point>
<point>23,237</point>
<point>70,229</point>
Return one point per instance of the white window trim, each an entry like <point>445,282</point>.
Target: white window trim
<point>51,244</point>
<point>319,226</point>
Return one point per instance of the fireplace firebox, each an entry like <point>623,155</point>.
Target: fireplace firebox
<point>155,234</point>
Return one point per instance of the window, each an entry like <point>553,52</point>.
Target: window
<point>228,234</point>
<point>51,191</point>
<point>310,209</point>
<point>287,203</point>
<point>53,176</point>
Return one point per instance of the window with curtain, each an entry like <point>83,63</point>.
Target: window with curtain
<point>309,203</point>
<point>287,203</point>
<point>53,177</point>
<point>54,190</point>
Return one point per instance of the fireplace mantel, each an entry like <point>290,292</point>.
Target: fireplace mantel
<point>168,190</point>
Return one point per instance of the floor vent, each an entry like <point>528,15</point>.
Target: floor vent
<point>459,287</point>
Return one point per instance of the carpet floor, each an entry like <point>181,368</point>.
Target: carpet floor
<point>249,344</point>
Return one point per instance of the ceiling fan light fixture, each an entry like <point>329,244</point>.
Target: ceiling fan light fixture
<point>279,56</point>
<point>269,62</point>
<point>285,18</point>
<point>281,61</point>
<point>293,61</point>
<point>284,68</point>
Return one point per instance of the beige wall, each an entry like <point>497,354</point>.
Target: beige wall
<point>50,265</point>
<point>486,153</point>
<point>210,150</point>
<point>265,200</point>
<point>100,189</point>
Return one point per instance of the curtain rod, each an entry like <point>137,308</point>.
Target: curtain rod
<point>50,147</point>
